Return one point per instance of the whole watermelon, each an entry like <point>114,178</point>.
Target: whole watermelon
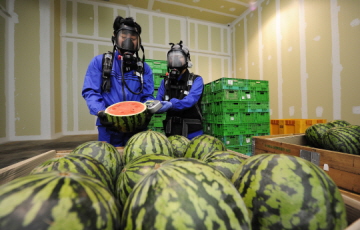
<point>179,144</point>
<point>57,200</point>
<point>202,145</point>
<point>288,192</point>
<point>134,171</point>
<point>224,161</point>
<point>343,139</point>
<point>185,193</point>
<point>77,163</point>
<point>104,152</point>
<point>314,134</point>
<point>338,123</point>
<point>147,142</point>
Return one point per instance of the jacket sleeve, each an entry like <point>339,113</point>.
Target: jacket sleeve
<point>161,91</point>
<point>191,99</point>
<point>91,90</point>
<point>148,90</point>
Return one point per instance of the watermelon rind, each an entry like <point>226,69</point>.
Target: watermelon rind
<point>287,192</point>
<point>179,144</point>
<point>184,193</point>
<point>129,123</point>
<point>134,171</point>
<point>224,161</point>
<point>338,123</point>
<point>314,134</point>
<point>343,139</point>
<point>77,163</point>
<point>147,142</point>
<point>104,152</point>
<point>57,200</point>
<point>203,144</point>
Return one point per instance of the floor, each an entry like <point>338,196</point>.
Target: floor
<point>13,152</point>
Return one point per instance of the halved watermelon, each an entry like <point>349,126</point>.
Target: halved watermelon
<point>128,116</point>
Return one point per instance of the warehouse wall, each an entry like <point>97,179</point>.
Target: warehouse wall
<point>30,60</point>
<point>48,45</point>
<point>87,28</point>
<point>308,51</point>
<point>3,126</point>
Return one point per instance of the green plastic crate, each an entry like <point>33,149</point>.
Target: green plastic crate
<point>259,85</point>
<point>247,117</point>
<point>225,95</point>
<point>254,106</point>
<point>262,117</point>
<point>262,96</point>
<point>245,139</point>
<point>157,79</point>
<point>247,95</point>
<point>208,88</point>
<point>226,129</point>
<point>225,106</point>
<point>229,140</point>
<point>225,83</point>
<point>226,118</point>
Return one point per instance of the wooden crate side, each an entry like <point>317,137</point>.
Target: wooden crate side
<point>24,167</point>
<point>343,168</point>
<point>337,160</point>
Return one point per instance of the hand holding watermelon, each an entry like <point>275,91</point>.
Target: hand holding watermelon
<point>105,122</point>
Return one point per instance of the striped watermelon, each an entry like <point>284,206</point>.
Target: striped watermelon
<point>77,163</point>
<point>179,144</point>
<point>342,139</point>
<point>104,152</point>
<point>314,134</point>
<point>147,142</point>
<point>134,171</point>
<point>128,116</point>
<point>338,123</point>
<point>355,127</point>
<point>185,193</point>
<point>57,200</point>
<point>224,161</point>
<point>287,192</point>
<point>203,144</point>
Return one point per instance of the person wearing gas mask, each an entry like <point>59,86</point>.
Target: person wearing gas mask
<point>118,76</point>
<point>180,94</point>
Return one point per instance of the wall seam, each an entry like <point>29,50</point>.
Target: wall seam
<point>336,65</point>
<point>279,62</point>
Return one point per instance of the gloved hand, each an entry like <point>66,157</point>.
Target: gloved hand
<point>104,121</point>
<point>166,105</point>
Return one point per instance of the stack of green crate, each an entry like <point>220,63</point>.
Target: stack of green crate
<point>235,110</point>
<point>159,69</point>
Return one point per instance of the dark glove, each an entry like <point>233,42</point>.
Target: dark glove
<point>104,121</point>
<point>166,105</point>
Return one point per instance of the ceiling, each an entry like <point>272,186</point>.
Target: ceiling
<point>218,11</point>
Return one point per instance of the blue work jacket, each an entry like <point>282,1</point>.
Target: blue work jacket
<point>97,100</point>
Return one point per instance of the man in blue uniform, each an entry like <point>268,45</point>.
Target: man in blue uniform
<point>126,78</point>
<point>180,94</point>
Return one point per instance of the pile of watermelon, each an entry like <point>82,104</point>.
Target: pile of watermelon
<point>161,182</point>
<point>337,135</point>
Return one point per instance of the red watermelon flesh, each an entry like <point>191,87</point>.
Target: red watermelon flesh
<point>126,108</point>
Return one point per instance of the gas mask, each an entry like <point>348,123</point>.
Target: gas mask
<point>176,62</point>
<point>127,40</point>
